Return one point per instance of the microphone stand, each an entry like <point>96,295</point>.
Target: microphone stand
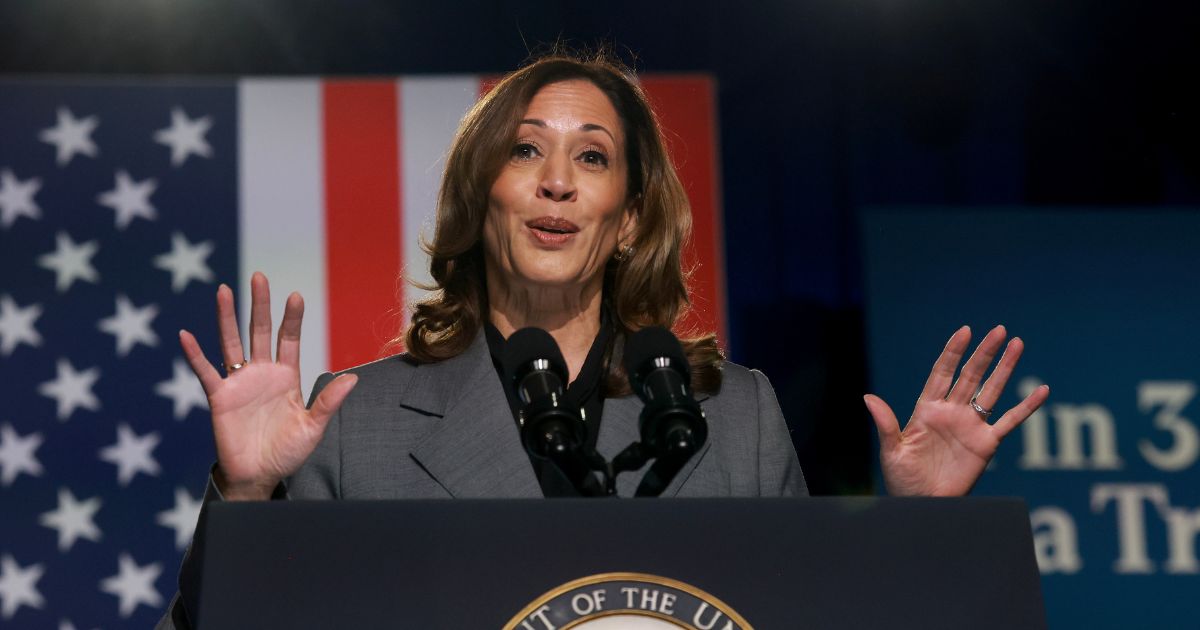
<point>577,465</point>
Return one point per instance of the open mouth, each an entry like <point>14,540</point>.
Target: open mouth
<point>557,226</point>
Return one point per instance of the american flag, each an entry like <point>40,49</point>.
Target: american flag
<point>123,204</point>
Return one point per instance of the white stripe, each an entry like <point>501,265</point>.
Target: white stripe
<point>282,197</point>
<point>430,110</point>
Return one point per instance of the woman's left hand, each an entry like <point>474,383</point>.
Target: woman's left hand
<point>947,443</point>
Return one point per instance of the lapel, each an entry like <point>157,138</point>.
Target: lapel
<point>476,450</point>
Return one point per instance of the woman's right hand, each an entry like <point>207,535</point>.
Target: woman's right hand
<point>263,430</point>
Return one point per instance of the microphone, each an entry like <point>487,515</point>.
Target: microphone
<point>550,428</point>
<point>672,424</point>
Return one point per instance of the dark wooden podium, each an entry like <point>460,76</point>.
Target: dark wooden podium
<point>587,563</point>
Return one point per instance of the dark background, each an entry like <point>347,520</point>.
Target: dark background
<point>826,108</point>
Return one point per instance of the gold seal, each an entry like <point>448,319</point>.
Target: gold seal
<point>627,601</point>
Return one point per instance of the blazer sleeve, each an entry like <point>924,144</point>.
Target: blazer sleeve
<point>318,478</point>
<point>779,473</point>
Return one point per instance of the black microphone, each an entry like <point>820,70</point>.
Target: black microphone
<point>550,427</point>
<point>672,424</point>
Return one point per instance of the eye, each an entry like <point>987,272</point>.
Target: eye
<point>594,158</point>
<point>523,151</point>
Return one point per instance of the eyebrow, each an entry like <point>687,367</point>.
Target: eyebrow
<point>584,127</point>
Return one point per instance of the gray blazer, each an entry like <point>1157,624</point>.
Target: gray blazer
<point>443,430</point>
<point>446,430</point>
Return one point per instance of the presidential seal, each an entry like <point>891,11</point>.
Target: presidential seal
<point>627,601</point>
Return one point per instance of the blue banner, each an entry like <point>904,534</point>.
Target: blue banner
<point>1107,305</point>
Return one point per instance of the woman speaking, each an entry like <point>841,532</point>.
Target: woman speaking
<point>559,209</point>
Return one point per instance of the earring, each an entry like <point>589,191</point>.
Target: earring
<point>623,253</point>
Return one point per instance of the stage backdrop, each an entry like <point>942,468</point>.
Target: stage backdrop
<point>123,205</point>
<point>1106,302</point>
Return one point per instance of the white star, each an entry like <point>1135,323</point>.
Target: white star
<point>182,518</point>
<point>16,198</point>
<point>186,262</point>
<point>72,519</point>
<point>70,136</point>
<point>70,262</point>
<point>18,586</point>
<point>129,199</point>
<point>16,454</point>
<point>131,454</point>
<point>185,136</point>
<point>72,389</point>
<point>184,389</point>
<point>133,584</point>
<point>16,325</point>
<point>130,325</point>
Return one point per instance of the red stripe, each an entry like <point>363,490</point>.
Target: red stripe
<point>686,107</point>
<point>487,82</point>
<point>362,217</point>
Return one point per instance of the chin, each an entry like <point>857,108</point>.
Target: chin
<point>550,275</point>
<point>549,281</point>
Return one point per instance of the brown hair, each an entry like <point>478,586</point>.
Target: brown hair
<point>648,288</point>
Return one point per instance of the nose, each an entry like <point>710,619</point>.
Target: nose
<point>557,180</point>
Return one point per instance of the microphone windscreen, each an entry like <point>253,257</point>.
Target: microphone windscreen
<point>653,342</point>
<point>529,344</point>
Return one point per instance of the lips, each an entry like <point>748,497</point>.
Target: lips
<point>551,230</point>
<point>554,225</point>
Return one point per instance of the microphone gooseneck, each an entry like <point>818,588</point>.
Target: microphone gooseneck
<point>672,424</point>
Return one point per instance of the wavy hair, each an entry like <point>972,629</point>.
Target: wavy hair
<point>646,288</point>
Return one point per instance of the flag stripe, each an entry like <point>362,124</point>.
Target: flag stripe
<point>686,106</point>
<point>430,112</point>
<point>362,196</point>
<point>282,221</point>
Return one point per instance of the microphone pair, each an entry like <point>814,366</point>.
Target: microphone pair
<point>671,426</point>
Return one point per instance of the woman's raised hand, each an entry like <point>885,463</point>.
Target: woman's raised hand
<point>947,442</point>
<point>263,430</point>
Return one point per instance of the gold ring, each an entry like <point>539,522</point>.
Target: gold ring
<point>230,369</point>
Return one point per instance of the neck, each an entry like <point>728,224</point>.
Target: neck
<point>571,316</point>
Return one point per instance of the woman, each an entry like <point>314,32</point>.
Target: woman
<point>559,209</point>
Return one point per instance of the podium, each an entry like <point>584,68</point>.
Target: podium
<point>597,564</point>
